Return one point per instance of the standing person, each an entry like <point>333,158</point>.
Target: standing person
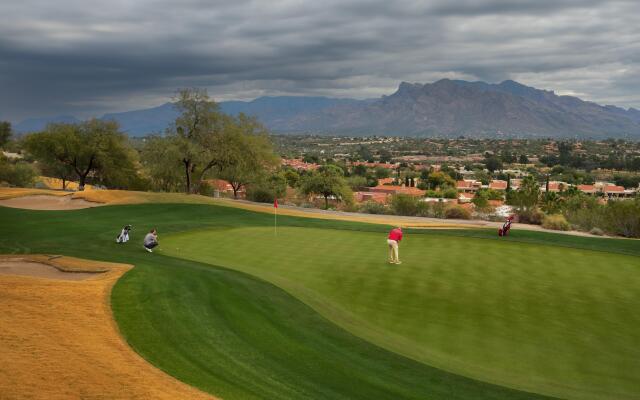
<point>395,236</point>
<point>151,240</point>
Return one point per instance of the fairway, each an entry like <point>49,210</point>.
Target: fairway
<point>315,312</point>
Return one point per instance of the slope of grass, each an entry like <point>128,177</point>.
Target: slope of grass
<point>240,337</point>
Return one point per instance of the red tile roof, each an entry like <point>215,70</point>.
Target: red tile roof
<point>613,189</point>
<point>498,185</point>
<point>393,189</point>
<point>587,188</point>
<point>384,181</point>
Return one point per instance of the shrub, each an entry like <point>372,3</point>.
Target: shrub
<point>206,189</point>
<point>450,193</point>
<point>260,194</point>
<point>19,174</point>
<point>372,207</point>
<point>404,204</point>
<point>457,212</point>
<point>438,209</point>
<point>534,217</point>
<point>556,222</point>
<point>623,217</point>
<point>433,194</point>
<point>423,209</point>
<point>596,231</point>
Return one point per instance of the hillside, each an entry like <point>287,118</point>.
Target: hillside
<point>446,108</point>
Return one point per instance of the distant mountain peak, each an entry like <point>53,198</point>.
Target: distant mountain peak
<point>443,108</point>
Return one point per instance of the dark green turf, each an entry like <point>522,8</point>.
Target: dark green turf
<point>232,334</point>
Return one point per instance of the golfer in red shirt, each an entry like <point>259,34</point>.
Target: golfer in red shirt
<point>395,236</point>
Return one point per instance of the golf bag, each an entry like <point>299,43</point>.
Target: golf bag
<point>123,237</point>
<point>506,227</point>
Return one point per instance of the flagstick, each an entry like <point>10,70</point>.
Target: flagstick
<point>275,221</point>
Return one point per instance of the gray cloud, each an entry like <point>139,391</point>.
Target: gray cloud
<point>86,58</point>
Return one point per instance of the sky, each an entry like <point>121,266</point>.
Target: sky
<point>86,58</point>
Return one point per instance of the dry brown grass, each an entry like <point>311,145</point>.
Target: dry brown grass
<point>132,197</point>
<point>59,340</point>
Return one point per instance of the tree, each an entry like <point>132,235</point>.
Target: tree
<point>440,180</point>
<point>161,163</point>
<point>195,133</point>
<point>385,155</point>
<point>493,164</point>
<point>327,181</point>
<point>526,197</point>
<point>5,132</point>
<point>292,177</point>
<point>360,170</point>
<point>90,147</point>
<point>244,152</point>
<point>523,159</point>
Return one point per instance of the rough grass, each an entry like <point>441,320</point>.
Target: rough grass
<point>240,337</point>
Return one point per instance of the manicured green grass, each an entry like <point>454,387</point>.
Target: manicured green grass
<point>240,337</point>
<point>540,318</point>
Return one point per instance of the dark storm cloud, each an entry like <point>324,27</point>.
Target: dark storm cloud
<point>87,58</point>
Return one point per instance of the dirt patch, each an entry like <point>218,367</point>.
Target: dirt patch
<point>47,202</point>
<point>59,339</point>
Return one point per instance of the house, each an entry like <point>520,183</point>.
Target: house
<point>300,165</point>
<point>381,198</point>
<point>498,185</point>
<point>465,197</point>
<point>468,185</point>
<point>588,189</point>
<point>395,189</point>
<point>222,187</point>
<point>385,181</point>
<point>555,187</point>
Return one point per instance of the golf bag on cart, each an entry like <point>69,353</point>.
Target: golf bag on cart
<point>506,227</point>
<point>123,237</point>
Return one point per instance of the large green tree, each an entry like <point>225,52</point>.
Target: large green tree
<point>327,181</point>
<point>244,153</point>
<point>195,134</point>
<point>90,147</point>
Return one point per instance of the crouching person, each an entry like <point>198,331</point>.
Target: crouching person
<point>151,240</point>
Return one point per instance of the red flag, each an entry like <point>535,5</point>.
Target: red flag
<point>275,203</point>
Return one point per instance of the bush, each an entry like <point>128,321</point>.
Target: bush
<point>438,209</point>
<point>261,194</point>
<point>534,217</point>
<point>596,231</point>
<point>623,217</point>
<point>423,209</point>
<point>371,207</point>
<point>556,222</point>
<point>457,212</point>
<point>206,189</point>
<point>404,204</point>
<point>19,174</point>
<point>433,194</point>
<point>450,193</point>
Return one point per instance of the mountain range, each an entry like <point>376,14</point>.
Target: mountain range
<point>446,108</point>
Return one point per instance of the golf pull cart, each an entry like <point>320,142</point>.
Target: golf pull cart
<point>506,227</point>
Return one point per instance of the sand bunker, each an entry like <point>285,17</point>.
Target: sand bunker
<point>46,202</point>
<point>28,268</point>
<point>59,340</point>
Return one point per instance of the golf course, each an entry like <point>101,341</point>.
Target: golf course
<point>238,309</point>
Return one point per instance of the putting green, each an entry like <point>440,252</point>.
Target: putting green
<point>545,319</point>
